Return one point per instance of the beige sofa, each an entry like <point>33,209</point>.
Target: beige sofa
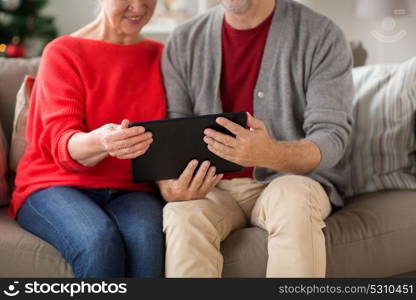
<point>372,236</point>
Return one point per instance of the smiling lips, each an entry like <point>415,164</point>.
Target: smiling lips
<point>137,18</point>
<point>134,19</point>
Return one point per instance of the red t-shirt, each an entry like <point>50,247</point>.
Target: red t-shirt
<point>82,85</point>
<point>242,57</point>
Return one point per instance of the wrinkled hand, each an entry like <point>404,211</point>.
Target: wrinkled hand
<point>125,143</point>
<point>188,187</point>
<point>250,148</point>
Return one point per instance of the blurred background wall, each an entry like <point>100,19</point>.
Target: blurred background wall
<point>72,14</point>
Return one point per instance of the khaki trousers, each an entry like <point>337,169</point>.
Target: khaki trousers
<point>292,209</point>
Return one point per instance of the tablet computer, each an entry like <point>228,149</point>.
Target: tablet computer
<point>178,141</point>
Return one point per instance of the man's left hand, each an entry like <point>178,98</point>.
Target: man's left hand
<point>251,147</point>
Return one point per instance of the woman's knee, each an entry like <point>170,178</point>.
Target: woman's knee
<point>100,252</point>
<point>103,237</point>
<point>138,211</point>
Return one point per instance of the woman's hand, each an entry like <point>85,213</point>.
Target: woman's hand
<point>125,143</point>
<point>188,187</point>
<point>119,141</point>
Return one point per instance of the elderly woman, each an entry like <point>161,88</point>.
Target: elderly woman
<point>73,185</point>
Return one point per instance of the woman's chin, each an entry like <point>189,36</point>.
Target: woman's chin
<point>132,29</point>
<point>132,32</point>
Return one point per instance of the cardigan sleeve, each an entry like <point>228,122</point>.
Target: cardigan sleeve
<point>328,114</point>
<point>178,100</point>
<point>61,103</point>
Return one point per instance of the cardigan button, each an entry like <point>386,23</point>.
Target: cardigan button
<point>260,94</point>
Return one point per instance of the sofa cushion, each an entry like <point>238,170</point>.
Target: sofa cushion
<point>372,236</point>
<point>245,253</point>
<point>12,72</point>
<point>24,255</point>
<point>18,142</point>
<point>382,153</point>
<point>4,187</point>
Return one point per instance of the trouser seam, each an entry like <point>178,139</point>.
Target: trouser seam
<point>218,252</point>
<point>311,230</point>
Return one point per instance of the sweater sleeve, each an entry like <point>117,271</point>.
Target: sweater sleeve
<point>178,100</point>
<point>328,114</point>
<point>60,101</point>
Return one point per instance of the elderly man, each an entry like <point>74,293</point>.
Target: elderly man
<point>290,68</point>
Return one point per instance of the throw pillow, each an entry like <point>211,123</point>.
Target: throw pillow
<point>18,142</point>
<point>4,188</point>
<point>382,154</point>
<point>12,72</point>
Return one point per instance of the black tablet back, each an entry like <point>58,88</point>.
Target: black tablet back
<point>176,142</point>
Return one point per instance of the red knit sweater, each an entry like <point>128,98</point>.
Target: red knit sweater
<point>81,85</point>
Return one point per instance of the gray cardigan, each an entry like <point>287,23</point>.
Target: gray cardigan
<point>304,89</point>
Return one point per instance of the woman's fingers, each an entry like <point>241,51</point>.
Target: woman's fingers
<point>114,146</point>
<point>123,142</point>
<point>125,124</point>
<point>133,151</point>
<point>121,134</point>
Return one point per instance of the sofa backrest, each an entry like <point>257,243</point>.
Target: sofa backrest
<point>12,73</point>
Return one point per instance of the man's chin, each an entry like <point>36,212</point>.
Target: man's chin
<point>237,7</point>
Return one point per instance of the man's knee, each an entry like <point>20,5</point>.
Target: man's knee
<point>290,200</point>
<point>289,191</point>
<point>187,217</point>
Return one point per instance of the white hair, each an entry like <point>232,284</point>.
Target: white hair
<point>97,7</point>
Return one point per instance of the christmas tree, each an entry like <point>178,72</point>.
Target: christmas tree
<point>22,24</point>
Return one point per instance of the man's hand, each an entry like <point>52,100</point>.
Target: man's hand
<point>251,147</point>
<point>255,148</point>
<point>188,187</point>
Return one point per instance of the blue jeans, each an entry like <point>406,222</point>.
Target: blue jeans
<point>100,233</point>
